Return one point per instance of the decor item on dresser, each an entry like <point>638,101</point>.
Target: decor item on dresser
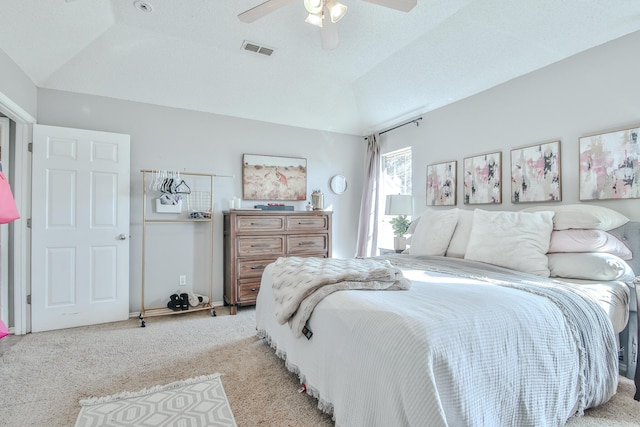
<point>481,179</point>
<point>274,178</point>
<point>535,173</point>
<point>274,207</point>
<point>610,165</point>
<point>253,239</point>
<point>399,205</point>
<point>441,184</point>
<point>576,335</point>
<point>317,200</point>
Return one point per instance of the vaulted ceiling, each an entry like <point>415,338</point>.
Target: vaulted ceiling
<point>389,65</point>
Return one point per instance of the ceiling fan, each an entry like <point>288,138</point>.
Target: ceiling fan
<point>322,13</point>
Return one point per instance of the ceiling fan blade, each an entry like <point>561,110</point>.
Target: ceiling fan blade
<point>261,10</point>
<point>402,5</point>
<point>329,35</point>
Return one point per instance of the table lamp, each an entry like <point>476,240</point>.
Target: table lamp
<point>399,205</point>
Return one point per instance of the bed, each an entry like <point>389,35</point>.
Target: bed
<point>470,341</point>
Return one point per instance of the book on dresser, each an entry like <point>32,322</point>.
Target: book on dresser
<point>253,239</point>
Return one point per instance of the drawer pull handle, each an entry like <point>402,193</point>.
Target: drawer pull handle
<point>260,223</point>
<point>253,289</point>
<point>260,245</point>
<point>306,243</point>
<point>258,267</point>
<point>306,222</point>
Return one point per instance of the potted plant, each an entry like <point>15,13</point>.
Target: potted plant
<point>400,225</point>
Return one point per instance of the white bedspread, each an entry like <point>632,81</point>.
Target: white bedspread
<point>299,284</point>
<point>452,350</point>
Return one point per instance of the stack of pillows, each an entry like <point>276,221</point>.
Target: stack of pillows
<point>570,241</point>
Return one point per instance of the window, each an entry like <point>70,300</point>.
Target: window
<point>396,179</point>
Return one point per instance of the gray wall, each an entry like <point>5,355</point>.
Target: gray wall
<point>16,86</point>
<point>175,139</point>
<point>593,92</point>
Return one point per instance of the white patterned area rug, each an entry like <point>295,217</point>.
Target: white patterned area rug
<point>196,402</point>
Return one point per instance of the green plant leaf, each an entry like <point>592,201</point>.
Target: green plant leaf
<point>400,225</point>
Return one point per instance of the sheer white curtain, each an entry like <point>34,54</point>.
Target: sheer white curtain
<point>368,224</point>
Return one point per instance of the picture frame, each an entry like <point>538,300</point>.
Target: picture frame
<point>441,184</point>
<point>274,178</point>
<point>535,173</point>
<point>610,165</point>
<point>482,179</point>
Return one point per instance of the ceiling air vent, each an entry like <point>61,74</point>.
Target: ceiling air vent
<point>256,48</point>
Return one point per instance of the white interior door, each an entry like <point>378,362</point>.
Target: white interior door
<point>80,228</point>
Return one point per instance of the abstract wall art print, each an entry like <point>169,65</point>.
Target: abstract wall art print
<point>610,165</point>
<point>482,183</point>
<point>535,173</point>
<point>274,178</point>
<point>441,184</point>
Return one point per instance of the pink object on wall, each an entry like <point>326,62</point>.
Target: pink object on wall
<point>4,331</point>
<point>8,210</point>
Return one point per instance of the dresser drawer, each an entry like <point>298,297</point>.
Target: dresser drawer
<point>253,224</point>
<point>267,245</point>
<point>253,268</point>
<point>306,243</point>
<point>309,223</point>
<point>254,239</point>
<point>248,290</point>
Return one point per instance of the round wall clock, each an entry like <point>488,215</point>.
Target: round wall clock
<point>338,184</point>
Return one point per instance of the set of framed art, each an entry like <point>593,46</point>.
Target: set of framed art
<point>609,168</point>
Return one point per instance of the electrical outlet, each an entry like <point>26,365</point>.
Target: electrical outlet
<point>183,280</point>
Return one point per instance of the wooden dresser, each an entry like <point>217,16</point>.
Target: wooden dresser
<point>253,239</point>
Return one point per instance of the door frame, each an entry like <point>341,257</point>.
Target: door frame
<point>20,236</point>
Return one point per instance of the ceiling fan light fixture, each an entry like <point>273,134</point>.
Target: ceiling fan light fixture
<point>336,10</point>
<point>314,7</point>
<point>314,19</point>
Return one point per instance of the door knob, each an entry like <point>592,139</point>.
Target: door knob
<point>122,237</point>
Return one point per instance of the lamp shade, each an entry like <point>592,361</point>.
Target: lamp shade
<point>398,204</point>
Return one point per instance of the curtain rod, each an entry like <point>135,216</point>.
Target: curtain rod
<point>399,126</point>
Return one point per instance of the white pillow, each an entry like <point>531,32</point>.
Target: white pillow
<point>410,231</point>
<point>588,241</point>
<point>515,240</point>
<point>433,232</point>
<point>589,266</point>
<point>460,238</point>
<point>412,226</point>
<point>582,216</point>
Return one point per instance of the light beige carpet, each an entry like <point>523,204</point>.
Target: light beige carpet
<point>43,376</point>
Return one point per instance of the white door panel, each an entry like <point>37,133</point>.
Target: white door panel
<point>80,228</point>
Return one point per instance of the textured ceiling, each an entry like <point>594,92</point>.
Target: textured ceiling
<point>388,67</point>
